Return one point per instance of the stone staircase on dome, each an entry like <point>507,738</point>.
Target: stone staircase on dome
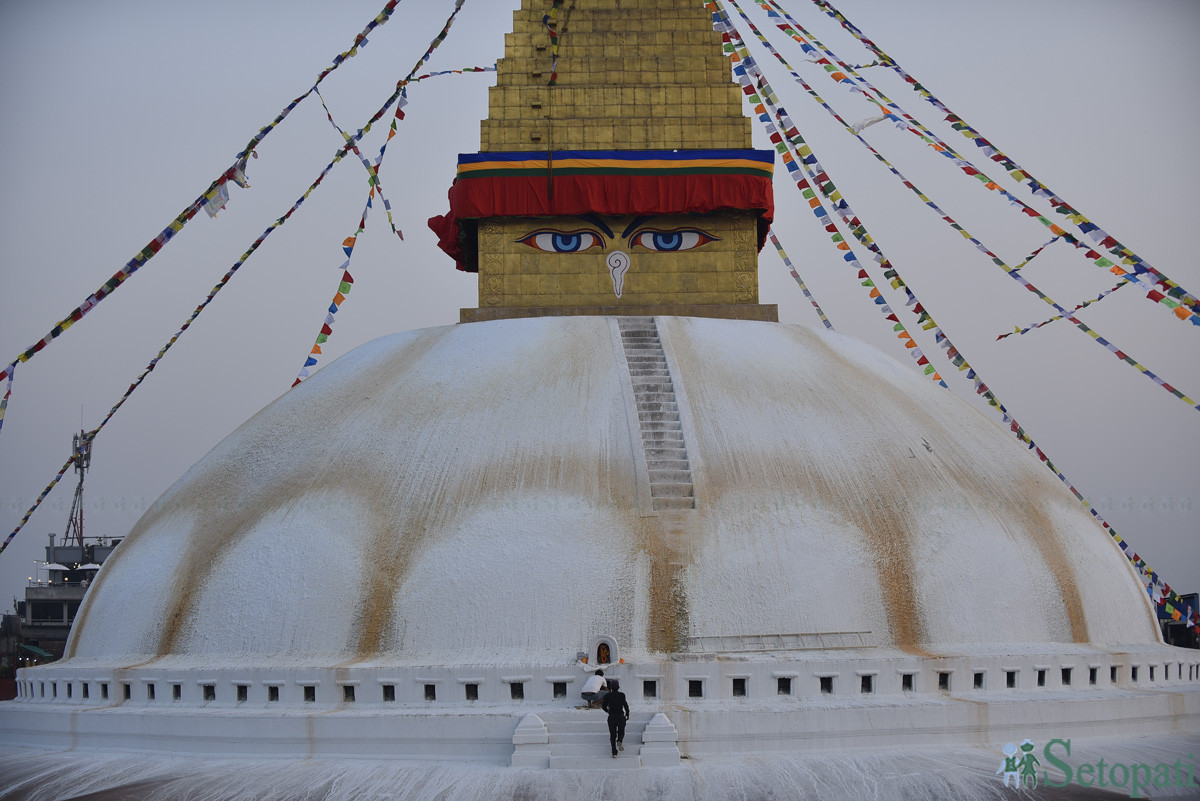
<point>578,739</point>
<point>658,415</point>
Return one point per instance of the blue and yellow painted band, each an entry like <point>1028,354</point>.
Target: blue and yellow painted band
<point>618,162</point>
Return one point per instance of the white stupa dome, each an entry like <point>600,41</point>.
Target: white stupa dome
<point>478,494</point>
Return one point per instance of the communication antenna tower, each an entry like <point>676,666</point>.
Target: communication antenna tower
<point>82,445</point>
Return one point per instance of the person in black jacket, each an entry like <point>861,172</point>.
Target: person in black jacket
<point>618,713</point>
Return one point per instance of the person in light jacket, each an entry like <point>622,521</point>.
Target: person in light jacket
<point>594,689</point>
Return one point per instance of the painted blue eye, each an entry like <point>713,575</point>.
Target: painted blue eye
<point>562,241</point>
<point>672,241</point>
<point>566,243</point>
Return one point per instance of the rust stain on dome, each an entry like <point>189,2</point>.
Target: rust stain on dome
<point>880,514</point>
<point>522,470</point>
<point>665,538</point>
<point>1041,531</point>
<point>223,515</point>
<point>878,511</point>
<point>384,575</point>
<point>805,451</point>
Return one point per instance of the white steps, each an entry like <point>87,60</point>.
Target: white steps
<point>658,415</point>
<point>577,739</point>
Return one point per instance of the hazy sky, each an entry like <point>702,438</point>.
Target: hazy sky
<point>117,114</point>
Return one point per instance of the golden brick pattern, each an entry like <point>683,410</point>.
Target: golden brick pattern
<point>513,274</point>
<point>632,75</point>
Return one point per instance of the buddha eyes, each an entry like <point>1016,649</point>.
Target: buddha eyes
<point>560,242</point>
<point>670,241</point>
<point>580,241</point>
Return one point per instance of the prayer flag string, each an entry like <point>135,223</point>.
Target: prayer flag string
<point>347,280</point>
<point>206,200</point>
<point>12,370</point>
<point>373,181</point>
<point>62,472</point>
<point>91,435</point>
<point>857,229</point>
<point>827,59</point>
<point>824,57</point>
<point>341,153</point>
<point>807,172</point>
<point>1025,262</point>
<point>1065,315</point>
<point>344,286</point>
<point>1158,287</point>
<point>211,200</point>
<point>1160,592</point>
<point>1157,589</point>
<point>372,169</point>
<point>905,121</point>
<point>462,71</point>
<point>359,41</point>
<point>791,268</point>
<point>550,20</point>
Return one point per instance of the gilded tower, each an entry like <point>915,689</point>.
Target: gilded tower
<point>615,173</point>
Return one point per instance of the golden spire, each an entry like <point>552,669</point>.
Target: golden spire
<point>615,174</point>
<point>631,76</point>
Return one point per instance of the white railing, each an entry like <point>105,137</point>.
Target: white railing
<point>780,642</point>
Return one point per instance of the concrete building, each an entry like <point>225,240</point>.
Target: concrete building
<point>52,603</point>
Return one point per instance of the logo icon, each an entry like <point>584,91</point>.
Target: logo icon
<point>1020,768</point>
<point>1028,764</point>
<point>1009,766</point>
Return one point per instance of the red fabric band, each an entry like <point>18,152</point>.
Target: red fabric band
<point>615,195</point>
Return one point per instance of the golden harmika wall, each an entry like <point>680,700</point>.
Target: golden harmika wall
<point>647,75</point>
<point>632,75</point>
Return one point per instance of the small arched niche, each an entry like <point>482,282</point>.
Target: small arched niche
<point>603,651</point>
